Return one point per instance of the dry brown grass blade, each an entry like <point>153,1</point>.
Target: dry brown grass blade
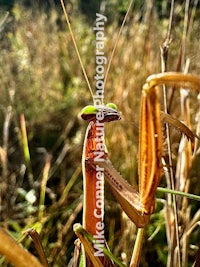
<point>178,125</point>
<point>15,254</point>
<point>183,167</point>
<point>150,149</point>
<point>78,229</point>
<point>37,242</point>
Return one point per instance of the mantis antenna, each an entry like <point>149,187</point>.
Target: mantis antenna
<point>76,49</point>
<point>116,42</point>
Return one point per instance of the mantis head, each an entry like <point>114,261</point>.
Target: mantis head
<point>102,113</point>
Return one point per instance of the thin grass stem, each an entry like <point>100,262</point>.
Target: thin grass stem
<point>178,193</point>
<point>25,147</point>
<point>135,259</point>
<point>43,186</point>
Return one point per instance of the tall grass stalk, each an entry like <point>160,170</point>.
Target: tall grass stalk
<point>43,187</point>
<point>25,147</point>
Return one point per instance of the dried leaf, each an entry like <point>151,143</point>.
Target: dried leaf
<point>178,125</point>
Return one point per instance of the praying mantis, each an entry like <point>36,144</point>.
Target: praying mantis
<point>137,202</point>
<point>150,143</point>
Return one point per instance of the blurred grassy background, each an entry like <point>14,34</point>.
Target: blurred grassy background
<point>41,77</point>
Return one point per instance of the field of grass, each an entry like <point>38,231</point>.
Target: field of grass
<point>42,91</point>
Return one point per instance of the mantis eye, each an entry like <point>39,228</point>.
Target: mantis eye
<point>112,105</point>
<point>88,113</point>
<point>89,110</point>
